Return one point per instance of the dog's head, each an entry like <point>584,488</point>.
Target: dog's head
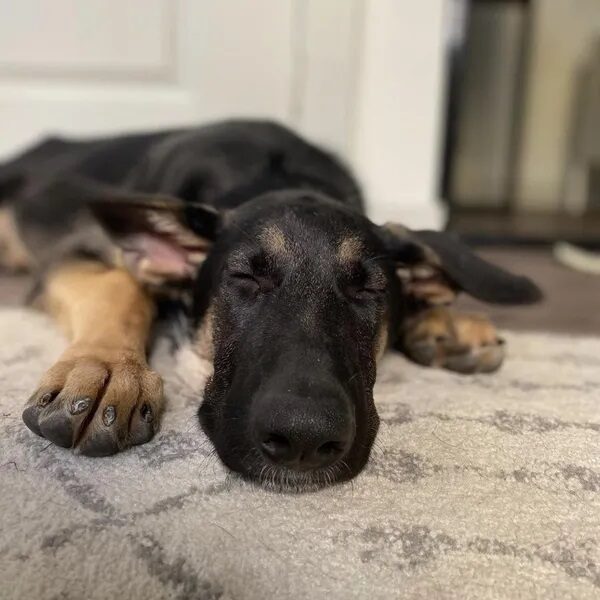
<point>295,297</point>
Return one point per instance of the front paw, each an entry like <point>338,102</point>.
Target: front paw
<point>98,405</point>
<point>439,337</point>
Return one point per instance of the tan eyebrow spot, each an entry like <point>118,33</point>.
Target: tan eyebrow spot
<point>273,239</point>
<point>349,249</point>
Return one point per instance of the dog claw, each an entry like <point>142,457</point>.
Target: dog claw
<point>46,399</point>
<point>33,409</point>
<point>142,426</point>
<point>146,413</point>
<point>109,415</point>
<point>80,405</point>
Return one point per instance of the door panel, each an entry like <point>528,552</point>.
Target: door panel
<point>96,66</point>
<point>82,39</point>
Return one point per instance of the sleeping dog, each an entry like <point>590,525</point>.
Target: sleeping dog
<point>260,240</point>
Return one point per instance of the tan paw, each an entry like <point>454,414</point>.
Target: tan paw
<point>464,343</point>
<point>98,403</point>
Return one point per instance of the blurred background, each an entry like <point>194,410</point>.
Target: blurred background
<point>479,116</point>
<point>522,153</point>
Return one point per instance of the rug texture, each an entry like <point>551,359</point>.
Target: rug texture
<point>479,487</point>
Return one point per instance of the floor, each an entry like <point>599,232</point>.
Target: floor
<point>477,488</point>
<point>572,299</point>
<point>571,305</point>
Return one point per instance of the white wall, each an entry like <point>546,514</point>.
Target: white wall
<point>399,110</point>
<point>363,77</point>
<point>91,66</point>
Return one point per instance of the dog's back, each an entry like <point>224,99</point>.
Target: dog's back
<point>214,160</point>
<point>222,164</point>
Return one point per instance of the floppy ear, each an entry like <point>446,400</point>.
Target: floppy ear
<point>161,238</point>
<point>435,265</point>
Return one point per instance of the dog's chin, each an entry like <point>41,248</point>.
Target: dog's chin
<point>288,481</point>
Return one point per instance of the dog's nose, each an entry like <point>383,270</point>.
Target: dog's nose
<point>304,439</point>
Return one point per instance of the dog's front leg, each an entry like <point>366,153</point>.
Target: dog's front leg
<point>100,397</point>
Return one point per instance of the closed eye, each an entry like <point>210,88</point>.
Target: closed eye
<point>240,275</point>
<point>364,284</point>
<point>253,282</point>
<point>365,293</point>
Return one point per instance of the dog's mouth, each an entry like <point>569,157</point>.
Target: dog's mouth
<point>249,463</point>
<point>279,478</point>
<point>283,480</point>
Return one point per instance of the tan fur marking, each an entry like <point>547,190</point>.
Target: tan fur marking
<point>349,250</point>
<point>100,306</point>
<point>13,254</point>
<point>274,240</point>
<point>108,316</point>
<point>382,340</point>
<point>203,344</point>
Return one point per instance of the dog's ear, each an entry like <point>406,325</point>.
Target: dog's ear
<point>434,266</point>
<point>161,238</point>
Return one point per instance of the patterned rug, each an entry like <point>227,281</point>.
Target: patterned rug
<point>479,487</point>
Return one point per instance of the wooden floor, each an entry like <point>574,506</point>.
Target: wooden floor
<point>572,303</point>
<point>572,299</point>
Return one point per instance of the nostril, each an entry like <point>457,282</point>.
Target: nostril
<point>330,449</point>
<point>276,446</point>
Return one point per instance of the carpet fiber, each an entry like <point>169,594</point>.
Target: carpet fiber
<point>479,487</point>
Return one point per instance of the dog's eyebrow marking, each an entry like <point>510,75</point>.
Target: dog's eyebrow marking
<point>349,249</point>
<point>273,239</point>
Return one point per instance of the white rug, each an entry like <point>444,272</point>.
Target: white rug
<point>479,487</point>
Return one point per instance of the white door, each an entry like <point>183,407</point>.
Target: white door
<point>107,65</point>
<point>85,67</point>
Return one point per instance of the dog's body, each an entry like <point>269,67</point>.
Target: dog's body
<point>288,288</point>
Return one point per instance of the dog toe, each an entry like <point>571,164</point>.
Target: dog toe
<point>99,442</point>
<point>62,420</point>
<point>143,425</point>
<point>33,410</point>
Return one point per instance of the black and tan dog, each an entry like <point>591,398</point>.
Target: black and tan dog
<point>287,287</point>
